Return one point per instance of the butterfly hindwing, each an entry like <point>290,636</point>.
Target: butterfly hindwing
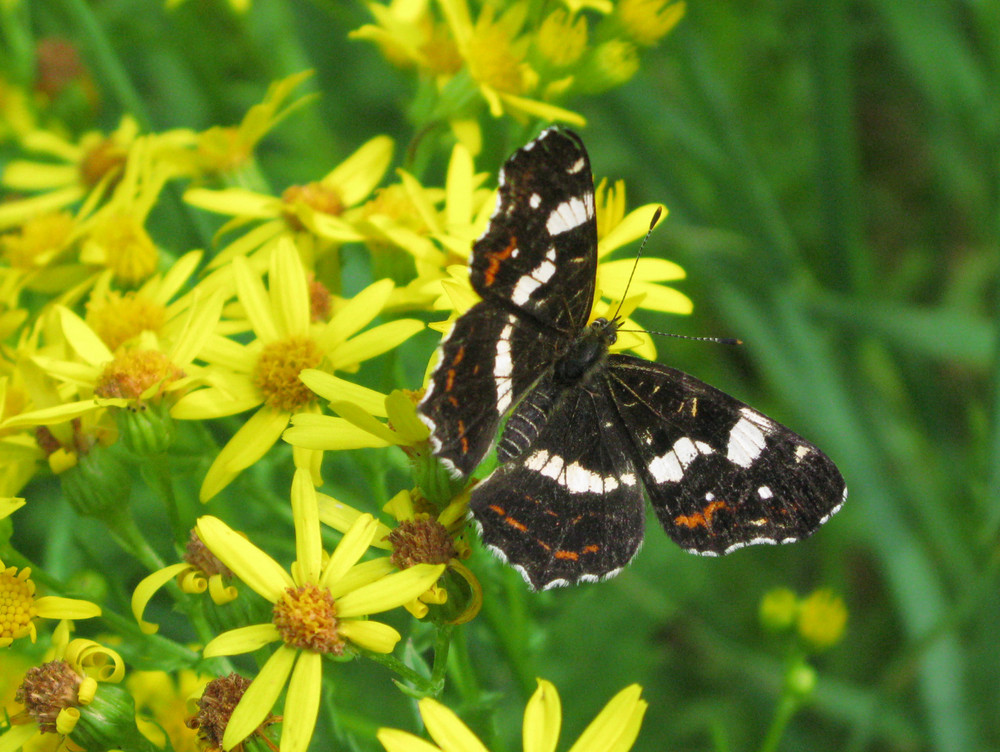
<point>569,508</point>
<point>719,474</point>
<point>543,222</point>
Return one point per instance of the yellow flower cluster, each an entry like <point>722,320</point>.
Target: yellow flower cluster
<point>128,348</point>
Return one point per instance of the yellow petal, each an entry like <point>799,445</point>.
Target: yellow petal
<point>289,290</point>
<point>361,574</point>
<point>305,513</point>
<point>633,226</point>
<point>389,592</point>
<point>616,727</point>
<point>341,516</point>
<point>258,570</point>
<point>370,635</point>
<point>351,548</point>
<point>82,338</point>
<point>357,176</point>
<point>242,640</point>
<point>542,719</point>
<point>356,313</point>
<point>331,387</point>
<point>256,303</point>
<point>17,737</point>
<point>259,698</point>
<point>54,607</point>
<point>395,740</point>
<point>234,202</point>
<point>447,729</point>
<point>246,446</point>
<point>302,703</point>
<point>363,420</point>
<point>374,342</point>
<point>329,433</point>
<point>144,592</point>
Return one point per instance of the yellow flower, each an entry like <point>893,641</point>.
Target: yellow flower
<point>647,21</point>
<point>19,608</point>
<point>421,535</point>
<point>495,54</point>
<point>265,373</point>
<point>227,149</point>
<point>200,571</point>
<point>314,213</point>
<point>614,729</point>
<point>55,695</point>
<point>165,699</point>
<point>88,166</point>
<point>126,377</point>
<point>319,609</point>
<point>822,618</point>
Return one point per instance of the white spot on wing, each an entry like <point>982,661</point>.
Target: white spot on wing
<point>570,214</point>
<point>534,201</point>
<point>765,493</point>
<point>746,439</point>
<point>503,367</point>
<point>669,467</point>
<point>534,279</point>
<point>576,166</point>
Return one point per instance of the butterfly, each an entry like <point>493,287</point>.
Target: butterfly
<point>588,431</point>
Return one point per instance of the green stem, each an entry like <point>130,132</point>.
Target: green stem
<point>391,662</point>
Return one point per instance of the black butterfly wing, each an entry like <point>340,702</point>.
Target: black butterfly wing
<point>543,222</point>
<point>569,507</point>
<point>477,380</point>
<point>719,474</point>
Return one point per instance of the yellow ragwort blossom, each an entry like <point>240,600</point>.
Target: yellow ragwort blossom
<point>264,374</point>
<point>56,693</point>
<point>310,214</point>
<point>613,730</point>
<point>319,609</point>
<point>19,608</point>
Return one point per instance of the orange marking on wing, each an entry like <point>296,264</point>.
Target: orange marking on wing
<point>543,544</point>
<point>458,356</point>
<point>496,257</point>
<point>515,524</point>
<point>451,380</point>
<point>593,548</point>
<point>453,401</point>
<point>702,518</point>
<point>571,555</point>
<point>498,509</point>
<point>465,441</point>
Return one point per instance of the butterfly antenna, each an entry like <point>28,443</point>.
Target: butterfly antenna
<point>656,218</point>
<point>719,340</point>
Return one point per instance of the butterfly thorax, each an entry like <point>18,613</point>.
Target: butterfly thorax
<point>587,351</point>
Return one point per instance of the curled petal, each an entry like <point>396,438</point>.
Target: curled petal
<point>145,590</point>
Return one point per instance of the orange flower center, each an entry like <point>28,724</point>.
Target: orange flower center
<point>306,618</point>
<point>278,369</point>
<point>132,373</point>
<point>315,195</point>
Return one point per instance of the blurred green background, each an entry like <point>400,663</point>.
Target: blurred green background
<point>831,170</point>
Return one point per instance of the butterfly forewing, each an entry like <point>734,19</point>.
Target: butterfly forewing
<point>719,474</point>
<point>477,379</point>
<point>543,224</point>
<point>569,508</point>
